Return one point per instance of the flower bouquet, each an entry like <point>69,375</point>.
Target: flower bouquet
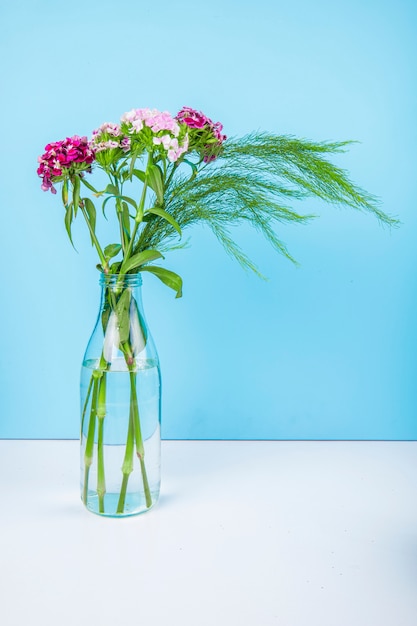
<point>166,173</point>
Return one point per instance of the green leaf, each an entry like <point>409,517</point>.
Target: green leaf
<point>112,250</point>
<point>105,315</point>
<point>130,201</point>
<point>91,212</point>
<point>69,216</point>
<point>65,193</point>
<point>103,206</point>
<point>132,165</point>
<point>115,267</point>
<point>126,219</point>
<point>171,279</point>
<point>139,174</point>
<point>167,216</point>
<point>139,259</point>
<point>194,168</point>
<point>112,189</point>
<point>90,187</point>
<point>155,182</point>
<point>138,331</point>
<point>154,179</point>
<point>76,194</point>
<point>122,312</point>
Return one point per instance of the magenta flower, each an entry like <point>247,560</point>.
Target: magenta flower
<point>193,118</point>
<point>61,156</point>
<point>199,121</point>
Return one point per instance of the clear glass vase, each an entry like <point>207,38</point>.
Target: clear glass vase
<point>120,405</point>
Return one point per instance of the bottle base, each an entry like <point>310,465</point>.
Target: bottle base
<point>110,506</point>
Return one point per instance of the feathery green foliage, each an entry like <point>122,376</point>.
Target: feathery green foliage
<point>253,181</point>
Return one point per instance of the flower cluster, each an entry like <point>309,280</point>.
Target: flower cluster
<point>60,156</point>
<point>158,132</point>
<point>109,136</point>
<point>166,130</point>
<point>154,119</point>
<point>212,130</point>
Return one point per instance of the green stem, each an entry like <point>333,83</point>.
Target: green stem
<point>140,450</point>
<point>115,181</point>
<point>134,435</point>
<point>132,239</point>
<point>127,466</point>
<point>101,483</point>
<point>121,228</point>
<point>85,405</point>
<point>139,216</point>
<point>101,404</point>
<point>173,170</point>
<point>101,414</point>
<point>89,446</point>
<point>100,252</point>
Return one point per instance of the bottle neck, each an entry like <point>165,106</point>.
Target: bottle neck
<point>121,333</point>
<point>119,282</point>
<point>121,288</point>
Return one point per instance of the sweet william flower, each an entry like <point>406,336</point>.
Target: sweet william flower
<point>125,144</point>
<point>163,121</point>
<point>193,118</point>
<point>105,145</point>
<point>158,121</point>
<point>61,156</point>
<point>172,146</point>
<point>173,151</point>
<point>165,140</point>
<point>210,131</point>
<point>109,137</point>
<point>109,128</point>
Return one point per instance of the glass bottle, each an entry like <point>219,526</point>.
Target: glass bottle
<point>120,405</point>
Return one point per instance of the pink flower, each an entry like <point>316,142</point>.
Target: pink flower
<point>173,148</point>
<point>109,136</point>
<point>61,156</point>
<point>165,140</point>
<point>154,119</point>
<point>109,128</point>
<point>135,118</point>
<point>125,144</point>
<point>163,121</point>
<point>137,125</point>
<point>105,145</point>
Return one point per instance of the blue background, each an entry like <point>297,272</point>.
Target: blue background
<point>326,350</point>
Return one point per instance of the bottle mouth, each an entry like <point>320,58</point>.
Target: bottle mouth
<point>121,280</point>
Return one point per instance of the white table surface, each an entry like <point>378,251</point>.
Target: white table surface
<point>246,533</point>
